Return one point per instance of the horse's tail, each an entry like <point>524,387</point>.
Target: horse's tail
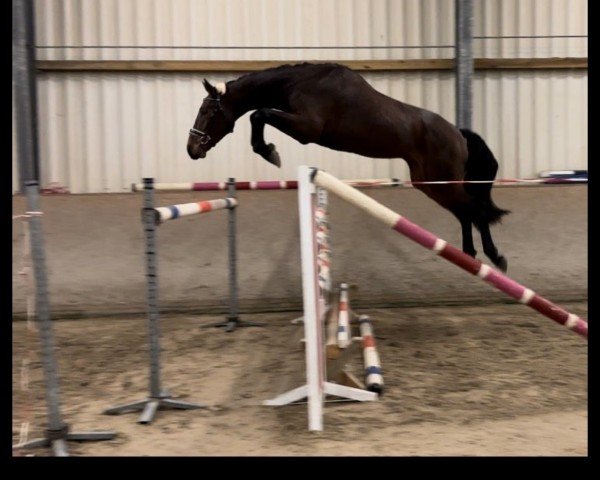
<point>481,165</point>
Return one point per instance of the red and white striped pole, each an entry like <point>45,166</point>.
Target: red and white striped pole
<point>171,212</point>
<point>365,182</point>
<point>452,254</point>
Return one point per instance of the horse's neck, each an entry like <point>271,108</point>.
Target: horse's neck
<point>255,91</point>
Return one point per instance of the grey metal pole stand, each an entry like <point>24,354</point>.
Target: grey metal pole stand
<point>25,96</point>
<point>233,319</point>
<point>464,62</point>
<point>57,433</point>
<point>157,399</point>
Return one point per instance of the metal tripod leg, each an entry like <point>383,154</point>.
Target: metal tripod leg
<point>151,405</point>
<point>232,322</point>
<point>57,440</point>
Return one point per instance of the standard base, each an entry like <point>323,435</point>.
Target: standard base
<point>150,406</point>
<point>58,440</point>
<point>300,393</point>
<point>231,323</point>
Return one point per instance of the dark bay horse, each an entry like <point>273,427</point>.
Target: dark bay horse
<point>333,106</point>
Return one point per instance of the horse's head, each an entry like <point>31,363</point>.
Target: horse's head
<point>214,120</point>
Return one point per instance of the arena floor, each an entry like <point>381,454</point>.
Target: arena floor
<point>497,380</point>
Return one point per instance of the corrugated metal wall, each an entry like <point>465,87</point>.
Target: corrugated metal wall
<point>309,23</point>
<point>101,132</point>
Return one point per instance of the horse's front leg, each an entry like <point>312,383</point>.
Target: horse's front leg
<point>302,129</point>
<point>257,139</point>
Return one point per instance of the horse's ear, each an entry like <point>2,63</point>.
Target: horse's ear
<point>209,88</point>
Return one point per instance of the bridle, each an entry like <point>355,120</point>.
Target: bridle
<point>203,136</point>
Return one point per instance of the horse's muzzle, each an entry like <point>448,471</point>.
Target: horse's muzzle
<point>196,153</point>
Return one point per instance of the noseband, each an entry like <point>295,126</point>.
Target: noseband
<point>205,137</point>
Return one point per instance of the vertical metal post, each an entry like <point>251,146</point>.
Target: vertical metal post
<point>464,62</point>
<point>158,399</point>
<point>38,257</point>
<point>231,237</point>
<point>57,433</point>
<point>233,319</point>
<point>24,85</point>
<point>152,287</point>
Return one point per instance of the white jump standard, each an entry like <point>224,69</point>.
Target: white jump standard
<point>316,386</point>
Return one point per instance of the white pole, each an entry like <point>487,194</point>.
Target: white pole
<point>353,196</point>
<point>314,347</point>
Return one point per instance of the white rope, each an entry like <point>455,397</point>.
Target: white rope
<point>501,181</point>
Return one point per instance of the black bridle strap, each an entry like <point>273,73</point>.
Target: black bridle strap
<point>205,137</point>
<point>198,133</point>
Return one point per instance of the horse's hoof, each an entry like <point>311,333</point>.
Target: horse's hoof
<point>501,263</point>
<point>273,156</point>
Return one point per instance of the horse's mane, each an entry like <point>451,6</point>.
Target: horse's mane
<point>287,66</point>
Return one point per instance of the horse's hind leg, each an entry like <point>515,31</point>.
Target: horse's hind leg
<point>305,130</point>
<point>454,199</point>
<point>466,223</point>
<point>467,236</point>
<point>488,246</point>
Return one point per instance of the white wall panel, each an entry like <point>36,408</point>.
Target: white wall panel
<point>310,23</point>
